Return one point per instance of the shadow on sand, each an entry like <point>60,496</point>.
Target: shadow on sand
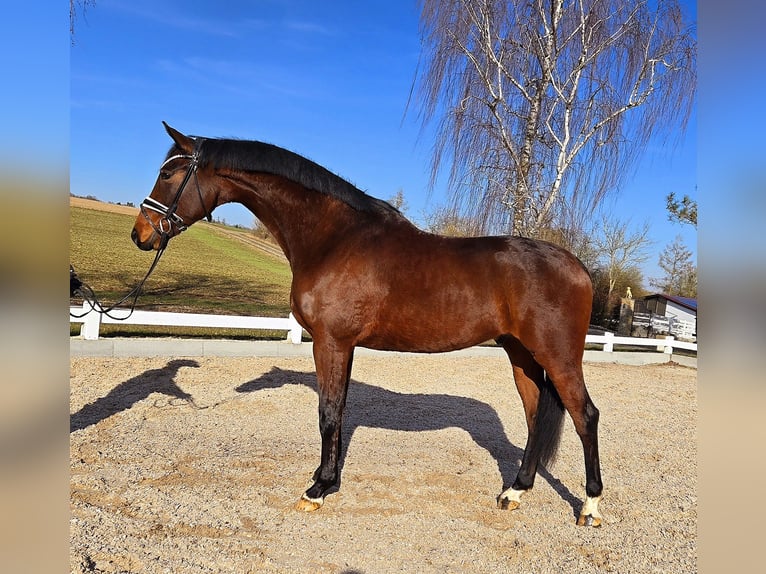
<point>126,394</point>
<point>374,407</point>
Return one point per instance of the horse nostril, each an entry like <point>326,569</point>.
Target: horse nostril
<point>134,236</point>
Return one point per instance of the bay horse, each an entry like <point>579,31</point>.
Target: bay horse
<point>364,276</point>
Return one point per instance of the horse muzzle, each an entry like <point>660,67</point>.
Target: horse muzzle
<point>145,244</point>
<point>155,225</point>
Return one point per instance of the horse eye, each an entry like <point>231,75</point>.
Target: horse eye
<point>164,175</point>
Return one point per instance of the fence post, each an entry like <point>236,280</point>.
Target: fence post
<point>296,331</point>
<point>667,347</point>
<point>91,323</point>
<point>609,344</point>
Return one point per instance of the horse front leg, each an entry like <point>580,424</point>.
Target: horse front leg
<point>333,367</point>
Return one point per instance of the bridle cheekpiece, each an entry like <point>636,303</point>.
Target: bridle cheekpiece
<point>170,218</point>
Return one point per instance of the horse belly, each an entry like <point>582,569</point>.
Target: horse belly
<point>432,325</point>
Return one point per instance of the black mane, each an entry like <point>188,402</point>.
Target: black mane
<point>244,155</point>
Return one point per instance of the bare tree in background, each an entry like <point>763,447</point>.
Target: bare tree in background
<point>543,106</point>
<point>398,201</point>
<point>446,221</point>
<point>680,272</point>
<point>619,250</point>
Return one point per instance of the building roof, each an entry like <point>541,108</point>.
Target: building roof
<point>688,302</point>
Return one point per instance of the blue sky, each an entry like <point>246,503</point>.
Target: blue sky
<point>329,80</point>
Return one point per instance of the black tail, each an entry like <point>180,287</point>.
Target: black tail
<point>544,439</point>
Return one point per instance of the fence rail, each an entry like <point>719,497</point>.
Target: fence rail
<point>660,324</point>
<point>91,322</point>
<point>664,344</point>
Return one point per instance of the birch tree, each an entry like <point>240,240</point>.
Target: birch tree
<point>541,107</point>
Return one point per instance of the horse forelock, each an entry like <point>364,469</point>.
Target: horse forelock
<point>255,156</point>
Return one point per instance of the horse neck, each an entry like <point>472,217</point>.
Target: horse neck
<point>303,222</point>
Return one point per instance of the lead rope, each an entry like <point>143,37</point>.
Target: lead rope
<point>79,287</point>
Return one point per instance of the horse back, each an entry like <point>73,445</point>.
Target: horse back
<point>415,291</point>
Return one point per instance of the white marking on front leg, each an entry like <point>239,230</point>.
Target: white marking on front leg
<point>589,515</point>
<point>510,499</point>
<point>591,506</point>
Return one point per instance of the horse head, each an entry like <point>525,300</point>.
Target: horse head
<point>177,199</point>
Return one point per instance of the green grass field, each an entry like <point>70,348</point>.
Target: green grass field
<point>202,271</point>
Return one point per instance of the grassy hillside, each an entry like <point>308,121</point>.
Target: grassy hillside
<point>206,269</point>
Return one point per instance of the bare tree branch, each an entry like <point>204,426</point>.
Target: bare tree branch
<point>74,6</point>
<point>542,106</point>
<point>619,249</point>
<point>680,272</point>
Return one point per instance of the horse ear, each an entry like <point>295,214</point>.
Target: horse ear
<point>185,143</point>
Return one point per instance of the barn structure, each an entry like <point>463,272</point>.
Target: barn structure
<point>667,313</point>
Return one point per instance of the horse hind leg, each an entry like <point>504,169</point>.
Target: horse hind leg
<point>570,385</point>
<point>544,413</point>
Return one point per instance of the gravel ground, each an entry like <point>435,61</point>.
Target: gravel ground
<point>193,465</point>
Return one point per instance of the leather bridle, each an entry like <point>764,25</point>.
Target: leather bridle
<point>170,219</point>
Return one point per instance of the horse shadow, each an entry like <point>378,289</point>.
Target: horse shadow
<point>126,394</point>
<point>375,407</point>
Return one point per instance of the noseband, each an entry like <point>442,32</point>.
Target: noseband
<point>169,217</point>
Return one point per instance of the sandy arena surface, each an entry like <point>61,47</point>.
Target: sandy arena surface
<point>194,465</point>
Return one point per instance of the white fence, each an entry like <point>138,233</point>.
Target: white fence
<point>92,321</point>
<point>683,329</point>
<point>664,344</point>
<point>660,324</point>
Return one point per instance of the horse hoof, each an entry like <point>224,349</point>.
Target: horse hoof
<point>507,504</point>
<point>510,499</point>
<point>589,520</point>
<point>306,504</point>
<point>589,514</point>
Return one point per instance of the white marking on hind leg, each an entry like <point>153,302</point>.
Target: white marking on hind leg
<point>589,515</point>
<point>510,499</point>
